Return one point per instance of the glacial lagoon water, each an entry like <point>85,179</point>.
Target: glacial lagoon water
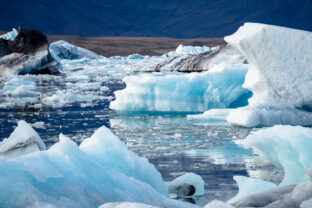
<point>173,144</point>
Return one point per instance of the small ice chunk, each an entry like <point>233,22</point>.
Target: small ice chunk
<point>10,35</point>
<point>23,140</point>
<point>187,185</point>
<point>25,91</point>
<point>213,115</point>
<point>38,125</point>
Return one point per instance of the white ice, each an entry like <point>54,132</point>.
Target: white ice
<point>10,35</point>
<point>279,75</point>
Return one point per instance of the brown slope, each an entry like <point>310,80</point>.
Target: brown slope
<point>123,46</point>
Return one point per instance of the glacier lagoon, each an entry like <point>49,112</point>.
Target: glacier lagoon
<point>171,142</point>
<point>173,139</point>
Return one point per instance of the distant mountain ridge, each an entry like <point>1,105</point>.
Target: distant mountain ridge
<point>160,18</point>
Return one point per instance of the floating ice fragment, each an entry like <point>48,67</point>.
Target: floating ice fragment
<point>213,115</point>
<point>23,140</point>
<point>38,125</point>
<point>187,185</point>
<point>218,204</point>
<point>10,35</point>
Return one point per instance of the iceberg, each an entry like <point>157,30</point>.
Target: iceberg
<point>99,171</point>
<point>23,140</point>
<point>221,87</point>
<point>10,35</point>
<point>279,75</point>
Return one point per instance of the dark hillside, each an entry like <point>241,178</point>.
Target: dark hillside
<point>158,18</point>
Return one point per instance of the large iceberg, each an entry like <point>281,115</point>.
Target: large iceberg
<point>99,171</point>
<point>221,87</point>
<point>279,75</point>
